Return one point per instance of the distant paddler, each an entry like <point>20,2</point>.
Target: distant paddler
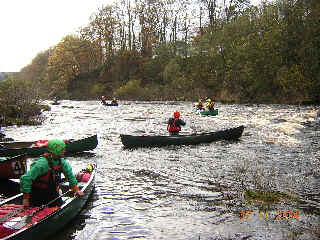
<point>199,105</point>
<point>210,104</point>
<point>114,101</point>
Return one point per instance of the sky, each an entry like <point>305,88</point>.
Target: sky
<point>30,27</point>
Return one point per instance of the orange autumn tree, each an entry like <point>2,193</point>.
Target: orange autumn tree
<point>70,58</point>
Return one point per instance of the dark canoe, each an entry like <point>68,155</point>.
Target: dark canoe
<point>5,139</point>
<point>72,146</point>
<point>68,107</point>
<point>43,223</point>
<point>13,167</point>
<point>130,141</point>
<point>110,104</point>
<point>209,113</point>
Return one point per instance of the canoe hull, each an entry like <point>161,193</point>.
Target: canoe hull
<point>157,141</point>
<point>210,113</point>
<point>57,220</point>
<point>85,144</point>
<point>18,148</point>
<point>110,104</point>
<point>13,168</point>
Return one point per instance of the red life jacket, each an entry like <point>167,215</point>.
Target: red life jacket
<point>173,127</point>
<point>50,179</point>
<point>41,143</point>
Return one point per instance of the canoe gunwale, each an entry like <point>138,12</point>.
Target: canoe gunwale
<point>74,146</point>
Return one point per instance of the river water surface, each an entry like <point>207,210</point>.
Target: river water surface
<point>191,192</point>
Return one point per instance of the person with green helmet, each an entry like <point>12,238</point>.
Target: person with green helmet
<point>40,184</point>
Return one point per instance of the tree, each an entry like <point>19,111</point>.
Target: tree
<point>35,72</point>
<point>70,58</point>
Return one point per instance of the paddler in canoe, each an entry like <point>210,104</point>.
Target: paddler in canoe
<point>104,100</point>
<point>175,123</point>
<point>199,105</point>
<point>114,101</point>
<point>41,183</point>
<point>210,105</point>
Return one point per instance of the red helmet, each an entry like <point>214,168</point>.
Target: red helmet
<point>176,114</point>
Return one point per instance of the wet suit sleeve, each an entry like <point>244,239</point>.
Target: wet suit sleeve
<point>170,121</point>
<point>181,122</point>
<point>37,168</point>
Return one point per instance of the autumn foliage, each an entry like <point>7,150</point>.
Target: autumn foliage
<point>169,49</point>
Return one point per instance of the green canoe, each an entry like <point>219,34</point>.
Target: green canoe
<point>209,113</point>
<point>38,223</point>
<point>9,149</point>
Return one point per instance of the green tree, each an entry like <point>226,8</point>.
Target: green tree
<point>19,102</point>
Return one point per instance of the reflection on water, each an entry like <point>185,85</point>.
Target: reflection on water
<point>191,192</point>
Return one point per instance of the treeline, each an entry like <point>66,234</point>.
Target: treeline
<point>187,49</point>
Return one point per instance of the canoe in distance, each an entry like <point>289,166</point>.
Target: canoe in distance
<point>209,113</point>
<point>111,104</point>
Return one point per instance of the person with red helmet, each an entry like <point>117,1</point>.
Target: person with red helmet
<point>175,123</point>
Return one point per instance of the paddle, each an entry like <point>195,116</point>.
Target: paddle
<point>22,221</point>
<point>11,214</point>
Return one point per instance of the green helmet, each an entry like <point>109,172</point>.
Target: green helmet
<point>56,146</point>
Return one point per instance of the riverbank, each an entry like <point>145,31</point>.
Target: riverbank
<point>22,115</point>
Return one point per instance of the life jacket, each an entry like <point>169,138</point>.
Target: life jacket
<point>41,143</point>
<point>174,127</point>
<point>85,174</point>
<point>211,106</point>
<point>51,179</point>
<point>200,106</point>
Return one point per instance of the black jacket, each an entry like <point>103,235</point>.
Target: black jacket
<point>175,125</point>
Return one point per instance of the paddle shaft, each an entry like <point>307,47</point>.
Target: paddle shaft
<point>47,204</point>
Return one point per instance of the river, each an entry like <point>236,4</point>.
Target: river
<point>191,192</point>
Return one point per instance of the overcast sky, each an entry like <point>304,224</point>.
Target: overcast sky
<point>30,26</point>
